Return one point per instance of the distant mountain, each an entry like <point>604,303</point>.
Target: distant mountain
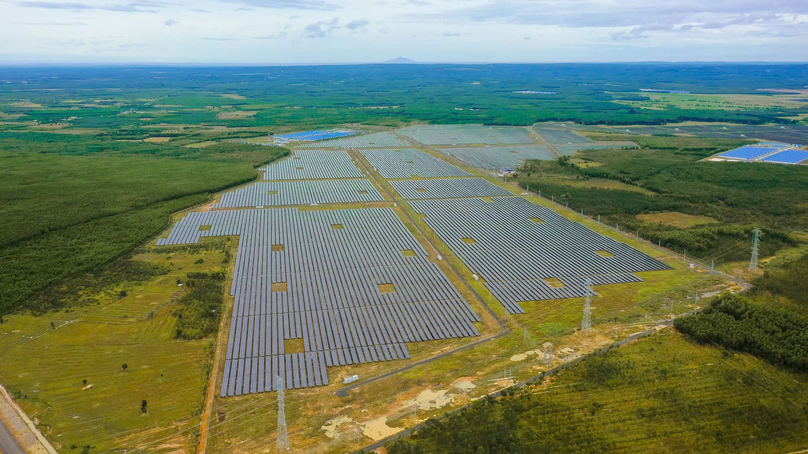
<point>401,60</point>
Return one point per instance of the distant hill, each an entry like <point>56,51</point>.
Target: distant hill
<point>401,60</point>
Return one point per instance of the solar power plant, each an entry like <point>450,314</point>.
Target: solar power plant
<point>301,192</point>
<point>313,135</point>
<point>409,162</point>
<point>515,246</point>
<point>499,157</point>
<point>354,285</point>
<point>557,135</point>
<point>447,188</point>
<point>749,152</point>
<point>470,134</point>
<point>571,149</point>
<point>792,156</point>
<point>379,139</point>
<point>313,164</point>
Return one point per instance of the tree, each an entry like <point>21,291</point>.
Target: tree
<point>143,404</point>
<point>124,366</point>
<point>84,382</point>
<point>53,325</point>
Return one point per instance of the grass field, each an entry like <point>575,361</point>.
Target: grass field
<point>128,320</point>
<point>677,219</point>
<point>663,394</point>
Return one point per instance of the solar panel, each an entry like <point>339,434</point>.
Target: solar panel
<point>792,156</point>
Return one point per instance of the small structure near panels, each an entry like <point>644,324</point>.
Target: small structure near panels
<point>446,188</point>
<point>526,252</point>
<point>409,162</point>
<point>283,193</point>
<point>354,285</point>
<point>313,165</point>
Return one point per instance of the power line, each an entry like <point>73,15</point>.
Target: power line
<point>753,263</point>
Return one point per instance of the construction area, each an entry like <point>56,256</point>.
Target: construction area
<point>383,278</point>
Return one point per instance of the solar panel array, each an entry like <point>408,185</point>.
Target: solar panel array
<point>460,134</point>
<point>313,135</point>
<point>354,285</point>
<point>447,188</point>
<point>559,135</point>
<point>409,162</point>
<point>499,157</point>
<point>313,164</point>
<point>301,192</point>
<point>514,245</point>
<point>379,139</point>
<point>792,156</point>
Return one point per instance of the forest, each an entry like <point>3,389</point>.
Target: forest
<point>731,321</point>
<point>673,179</point>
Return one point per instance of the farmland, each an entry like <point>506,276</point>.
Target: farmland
<point>164,266</point>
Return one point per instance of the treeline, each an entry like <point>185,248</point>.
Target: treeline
<point>200,309</point>
<point>790,281</point>
<point>780,337</point>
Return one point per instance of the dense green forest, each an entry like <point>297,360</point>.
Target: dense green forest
<point>70,209</point>
<point>790,281</point>
<point>669,170</point>
<point>778,336</point>
<point>387,94</point>
<point>200,309</point>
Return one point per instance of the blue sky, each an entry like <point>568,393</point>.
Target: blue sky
<point>338,31</point>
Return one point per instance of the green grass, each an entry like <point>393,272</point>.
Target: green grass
<point>126,318</point>
<point>658,395</point>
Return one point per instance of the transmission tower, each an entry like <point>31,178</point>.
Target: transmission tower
<point>283,435</point>
<point>548,354</point>
<point>586,324</point>
<point>753,263</point>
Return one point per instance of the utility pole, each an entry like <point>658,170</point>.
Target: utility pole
<point>712,267</point>
<point>753,263</point>
<point>548,354</point>
<point>283,435</point>
<point>586,324</point>
<point>524,337</point>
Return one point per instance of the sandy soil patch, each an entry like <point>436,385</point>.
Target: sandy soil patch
<point>430,400</point>
<point>5,116</point>
<point>233,96</point>
<point>523,356</point>
<point>464,384</point>
<point>330,427</point>
<point>157,139</point>
<point>26,104</point>
<point>51,126</point>
<point>201,144</point>
<point>376,429</point>
<point>236,114</point>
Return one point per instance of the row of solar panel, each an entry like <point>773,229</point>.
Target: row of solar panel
<point>352,284</point>
<point>517,246</point>
<point>301,192</point>
<point>314,135</point>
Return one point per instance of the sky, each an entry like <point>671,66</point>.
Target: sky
<point>355,31</point>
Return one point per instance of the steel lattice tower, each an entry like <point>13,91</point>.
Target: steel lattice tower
<point>586,324</point>
<point>283,435</point>
<point>753,263</point>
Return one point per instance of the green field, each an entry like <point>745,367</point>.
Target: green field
<point>665,394</point>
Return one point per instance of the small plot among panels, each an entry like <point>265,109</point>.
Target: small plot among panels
<point>300,193</point>
<point>471,134</point>
<point>354,285</point>
<point>515,255</point>
<point>409,162</point>
<point>793,156</point>
<point>571,149</point>
<point>313,164</point>
<point>447,188</point>
<point>495,158</point>
<point>379,139</point>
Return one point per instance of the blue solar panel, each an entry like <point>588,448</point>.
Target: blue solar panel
<point>788,157</point>
<point>749,152</point>
<point>313,135</point>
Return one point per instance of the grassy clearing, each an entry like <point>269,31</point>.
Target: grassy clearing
<point>658,395</point>
<point>677,219</point>
<point>80,392</point>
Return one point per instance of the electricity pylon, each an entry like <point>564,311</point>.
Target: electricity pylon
<point>753,263</point>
